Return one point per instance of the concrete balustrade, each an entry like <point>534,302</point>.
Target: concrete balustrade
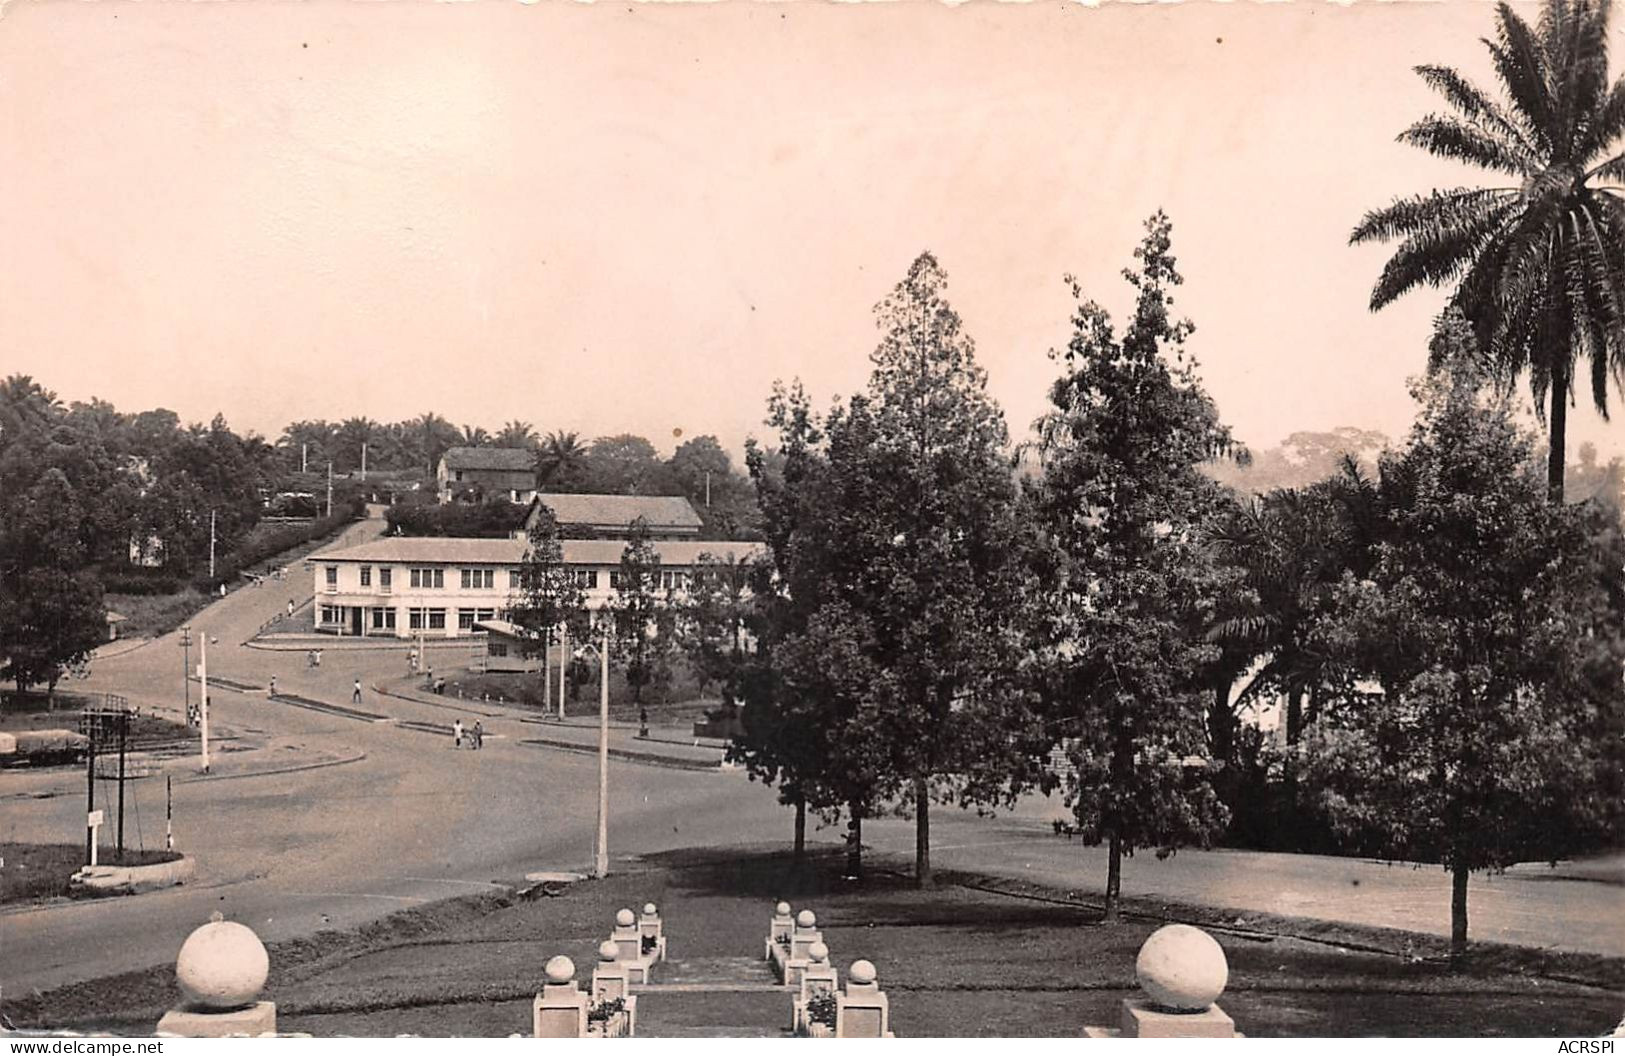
<point>560,1009</point>
<point>779,929</point>
<point>610,984</point>
<point>1181,970</point>
<point>817,979</point>
<point>651,934</point>
<point>861,1010</point>
<point>221,969</point>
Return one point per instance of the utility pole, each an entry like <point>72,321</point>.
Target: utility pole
<point>363,463</point>
<point>330,489</point>
<point>601,864</point>
<point>564,664</point>
<point>708,489</point>
<point>547,670</point>
<point>304,458</point>
<point>211,544</point>
<point>90,801</point>
<point>123,733</point>
<point>203,677</point>
<point>186,670</point>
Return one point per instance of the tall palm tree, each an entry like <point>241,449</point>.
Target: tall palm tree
<point>562,457</point>
<point>517,434</point>
<point>1538,264</point>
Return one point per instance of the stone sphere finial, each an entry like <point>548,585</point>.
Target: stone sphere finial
<point>818,952</point>
<point>608,950</point>
<point>782,909</point>
<point>625,919</point>
<point>1182,968</point>
<point>861,972</point>
<point>222,965</point>
<point>560,970</point>
<point>806,919</point>
<point>649,909</point>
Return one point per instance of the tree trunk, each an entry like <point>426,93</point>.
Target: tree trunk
<point>1559,426</point>
<point>1221,724</point>
<point>801,829</point>
<point>922,833</point>
<point>1458,913</point>
<point>854,844</point>
<point>1294,715</point>
<point>1114,877</point>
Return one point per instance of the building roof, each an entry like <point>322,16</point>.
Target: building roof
<point>409,550</point>
<point>660,511</point>
<point>502,627</point>
<point>511,459</point>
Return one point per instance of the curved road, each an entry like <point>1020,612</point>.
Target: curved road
<point>293,853</point>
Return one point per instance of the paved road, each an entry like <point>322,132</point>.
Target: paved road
<point>414,820</point>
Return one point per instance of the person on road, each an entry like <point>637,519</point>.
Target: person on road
<point>272,693</point>
<point>457,733</point>
<point>412,661</point>
<point>310,658</point>
<point>355,694</point>
<point>318,658</point>
<point>479,735</point>
<point>290,608</point>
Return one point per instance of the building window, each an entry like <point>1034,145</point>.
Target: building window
<point>331,614</point>
<point>457,476</point>
<point>384,577</point>
<point>496,648</point>
<point>437,619</point>
<point>465,619</point>
<point>383,619</point>
<point>414,620</point>
<point>614,580</point>
<point>332,575</point>
<point>366,575</point>
<point>587,578</point>
<point>478,578</point>
<point>513,579</point>
<point>428,578</point>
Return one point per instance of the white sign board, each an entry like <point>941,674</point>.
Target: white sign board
<point>95,818</point>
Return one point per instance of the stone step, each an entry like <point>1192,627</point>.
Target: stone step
<point>724,974</point>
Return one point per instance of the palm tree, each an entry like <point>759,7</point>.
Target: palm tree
<point>25,404</point>
<point>517,434</point>
<point>1539,264</point>
<point>475,436</point>
<point>561,458</point>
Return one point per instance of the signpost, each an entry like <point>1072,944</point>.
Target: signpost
<point>93,822</point>
<point>186,672</point>
<point>101,724</point>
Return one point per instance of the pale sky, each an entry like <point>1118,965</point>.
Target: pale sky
<point>633,217</point>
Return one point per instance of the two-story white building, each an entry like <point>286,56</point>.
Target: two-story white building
<point>400,586</point>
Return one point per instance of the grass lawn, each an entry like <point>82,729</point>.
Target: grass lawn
<point>34,871</point>
<point>150,615</point>
<point>956,961</point>
<point>61,712</point>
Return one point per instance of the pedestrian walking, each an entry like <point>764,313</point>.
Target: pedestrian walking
<point>412,661</point>
<point>310,658</point>
<point>290,608</point>
<point>457,733</point>
<point>318,658</point>
<point>479,735</point>
<point>355,694</point>
<point>428,678</point>
<point>272,693</point>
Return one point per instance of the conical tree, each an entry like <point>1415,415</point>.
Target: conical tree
<point>1538,261</point>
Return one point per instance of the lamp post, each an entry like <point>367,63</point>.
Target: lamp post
<point>601,850</point>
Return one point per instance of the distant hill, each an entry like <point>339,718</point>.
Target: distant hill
<point>1301,459</point>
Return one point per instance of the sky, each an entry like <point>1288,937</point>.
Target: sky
<point>619,217</point>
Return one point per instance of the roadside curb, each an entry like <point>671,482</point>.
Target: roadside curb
<point>295,769</point>
<point>134,879</point>
<point>415,699</point>
<point>669,762</point>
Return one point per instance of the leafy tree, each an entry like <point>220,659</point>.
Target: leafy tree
<point>475,436</point>
<point>1538,264</point>
<point>625,465</point>
<point>711,620</point>
<point>550,597</point>
<point>1121,504</point>
<point>51,611</point>
<point>639,616</point>
<point>351,436</point>
<point>1494,623</point>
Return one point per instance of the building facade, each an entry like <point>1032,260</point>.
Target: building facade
<point>399,587</point>
<point>487,473</point>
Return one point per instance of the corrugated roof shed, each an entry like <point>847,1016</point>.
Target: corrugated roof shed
<point>660,511</point>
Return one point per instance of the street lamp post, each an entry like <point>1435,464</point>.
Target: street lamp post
<point>601,850</point>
